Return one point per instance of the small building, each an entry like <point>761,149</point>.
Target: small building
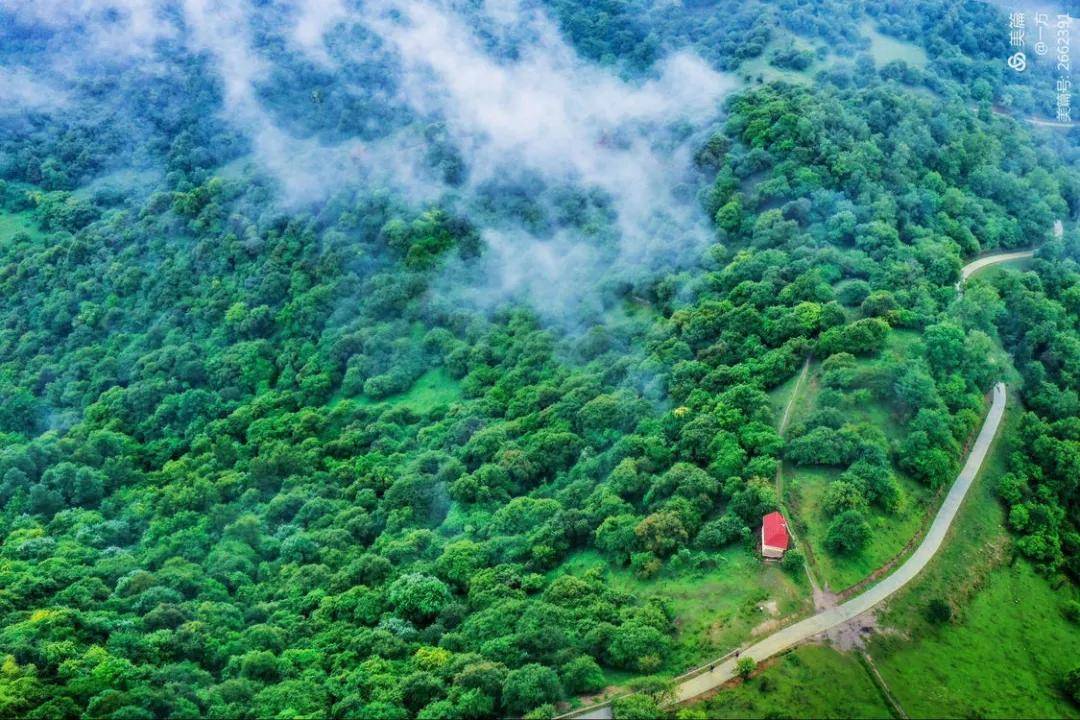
<point>774,535</point>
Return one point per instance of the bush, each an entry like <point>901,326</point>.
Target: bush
<point>848,533</point>
<point>793,561</point>
<point>530,687</point>
<point>638,706</point>
<point>938,611</point>
<point>745,666</point>
<point>582,674</point>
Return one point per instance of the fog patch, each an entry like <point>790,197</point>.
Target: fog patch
<point>491,85</point>
<point>21,91</point>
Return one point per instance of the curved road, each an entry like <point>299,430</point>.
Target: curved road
<point>976,265</point>
<point>724,670</point>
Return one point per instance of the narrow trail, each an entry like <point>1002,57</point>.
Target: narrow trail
<point>875,675</point>
<point>794,394</point>
<point>815,586</point>
<point>711,676</point>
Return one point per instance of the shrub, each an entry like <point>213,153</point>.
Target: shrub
<point>793,561</point>
<point>938,611</point>
<point>745,666</point>
<point>848,533</point>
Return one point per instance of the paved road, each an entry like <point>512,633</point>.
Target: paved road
<point>792,635</point>
<point>827,619</point>
<point>976,265</point>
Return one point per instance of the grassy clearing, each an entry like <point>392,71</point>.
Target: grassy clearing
<point>885,49</point>
<point>805,486</point>
<point>11,223</point>
<point>759,69</point>
<point>1008,644</point>
<point>715,610</point>
<point>811,681</point>
<point>433,388</point>
<point>781,394</point>
<point>890,533</point>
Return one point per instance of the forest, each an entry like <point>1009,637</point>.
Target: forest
<point>349,351</point>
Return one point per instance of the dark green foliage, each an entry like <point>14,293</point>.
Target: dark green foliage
<point>793,562</point>
<point>848,533</point>
<point>1071,684</point>
<point>938,611</point>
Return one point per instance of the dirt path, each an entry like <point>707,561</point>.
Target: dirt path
<point>794,394</point>
<point>883,687</point>
<point>820,597</point>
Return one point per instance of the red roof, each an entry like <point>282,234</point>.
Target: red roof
<point>774,530</point>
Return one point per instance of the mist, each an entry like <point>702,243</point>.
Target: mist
<point>498,88</point>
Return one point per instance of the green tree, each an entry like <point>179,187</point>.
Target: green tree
<point>528,687</point>
<point>848,533</point>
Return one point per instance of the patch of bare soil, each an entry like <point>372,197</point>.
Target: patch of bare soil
<point>823,597</point>
<point>851,635</point>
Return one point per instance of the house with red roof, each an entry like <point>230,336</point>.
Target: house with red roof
<point>774,535</point>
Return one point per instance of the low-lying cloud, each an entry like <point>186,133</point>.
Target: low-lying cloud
<point>514,100</point>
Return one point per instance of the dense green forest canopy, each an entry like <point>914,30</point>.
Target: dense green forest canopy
<point>320,358</point>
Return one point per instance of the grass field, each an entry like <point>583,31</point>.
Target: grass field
<point>812,681</point>
<point>11,223</point>
<point>716,610</point>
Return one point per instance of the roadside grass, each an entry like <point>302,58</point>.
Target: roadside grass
<point>1004,657</point>
<point>991,273</point>
<point>1008,644</point>
<point>812,681</point>
<point>716,610</point>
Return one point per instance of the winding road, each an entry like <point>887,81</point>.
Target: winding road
<point>710,677</point>
<point>976,265</point>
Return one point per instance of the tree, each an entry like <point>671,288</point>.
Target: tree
<point>841,496</point>
<point>418,597</point>
<point>635,645</point>
<point>528,687</point>
<point>848,533</point>
<point>793,561</point>
<point>581,675</point>
<point>662,533</point>
<point>638,706</point>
